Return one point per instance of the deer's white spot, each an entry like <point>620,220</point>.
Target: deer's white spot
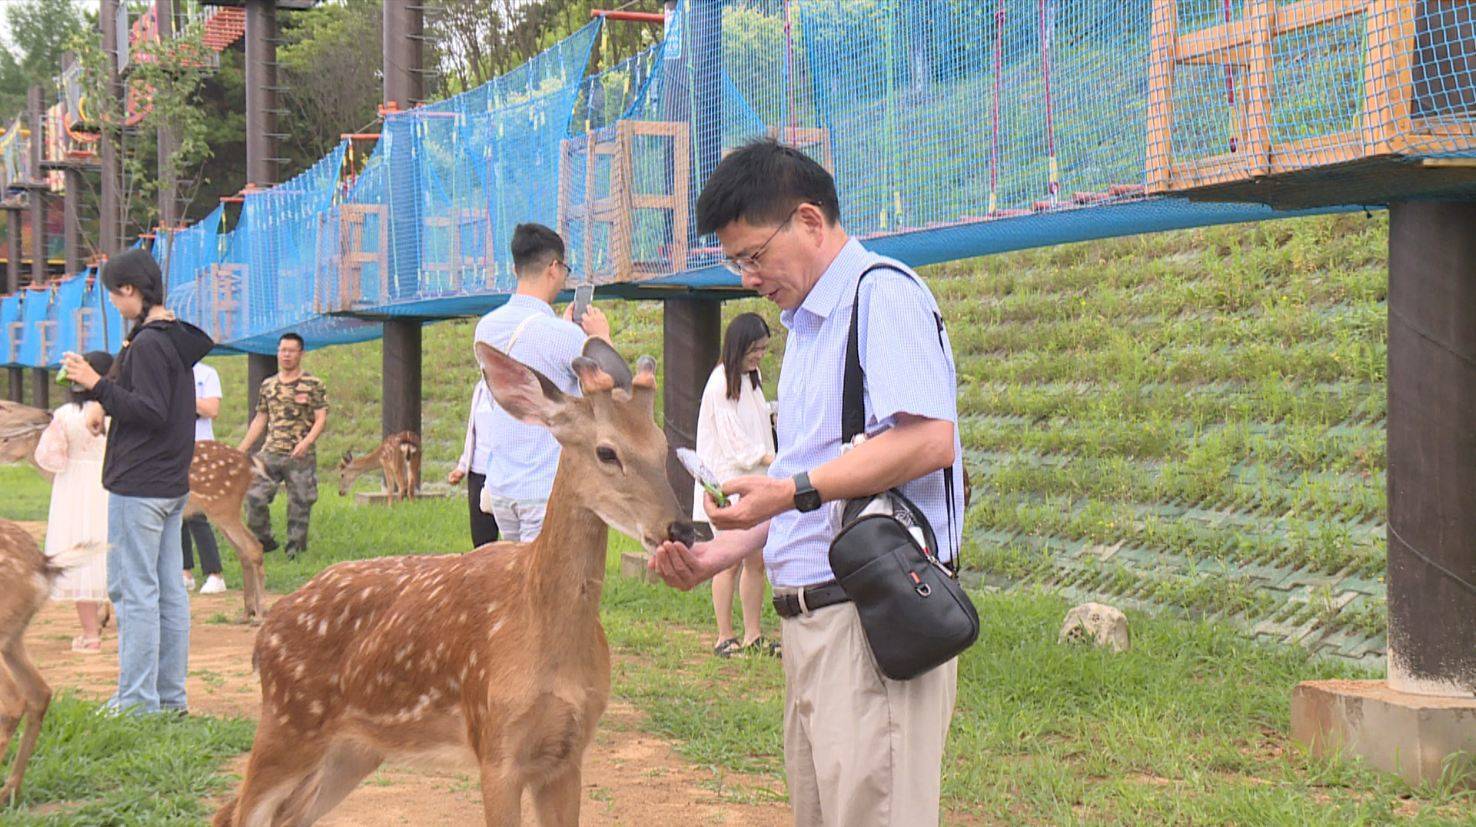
<point>498,625</point>
<point>301,668</point>
<point>323,626</point>
<point>316,707</point>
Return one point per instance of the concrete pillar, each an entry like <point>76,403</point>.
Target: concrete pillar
<point>110,223</point>
<point>259,366</point>
<point>72,220</point>
<point>12,249</point>
<point>403,85</point>
<point>167,142</point>
<point>40,388</point>
<point>261,92</point>
<point>400,405</point>
<point>1425,711</point>
<point>1432,448</point>
<point>38,195</point>
<point>15,383</point>
<point>691,346</point>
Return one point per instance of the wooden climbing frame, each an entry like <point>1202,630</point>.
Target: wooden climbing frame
<point>1248,45</point>
<point>353,257</point>
<point>223,300</point>
<point>616,208</point>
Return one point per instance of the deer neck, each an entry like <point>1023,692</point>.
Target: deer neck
<point>566,565</point>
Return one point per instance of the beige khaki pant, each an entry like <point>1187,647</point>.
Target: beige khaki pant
<point>859,748</point>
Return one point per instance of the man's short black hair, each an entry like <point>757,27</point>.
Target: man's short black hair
<point>761,183</point>
<point>289,336</point>
<point>534,246</point>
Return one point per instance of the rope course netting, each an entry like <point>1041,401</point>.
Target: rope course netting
<point>953,129</point>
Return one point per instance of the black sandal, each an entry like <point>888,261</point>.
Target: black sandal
<point>763,646</point>
<point>726,648</point>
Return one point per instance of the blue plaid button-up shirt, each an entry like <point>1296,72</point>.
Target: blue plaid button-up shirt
<point>909,369</point>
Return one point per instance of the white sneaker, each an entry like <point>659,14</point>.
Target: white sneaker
<point>214,584</point>
<point>189,581</point>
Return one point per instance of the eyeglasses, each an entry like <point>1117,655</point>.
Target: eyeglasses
<point>568,271</point>
<point>749,263</point>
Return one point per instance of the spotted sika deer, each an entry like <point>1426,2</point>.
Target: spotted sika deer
<point>398,456</point>
<point>496,656</point>
<point>219,477</point>
<point>25,583</point>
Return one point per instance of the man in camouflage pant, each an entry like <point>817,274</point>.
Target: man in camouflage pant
<point>292,409</point>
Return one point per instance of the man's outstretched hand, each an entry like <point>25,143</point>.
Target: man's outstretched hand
<point>682,567</point>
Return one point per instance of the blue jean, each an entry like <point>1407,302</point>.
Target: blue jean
<point>144,562</point>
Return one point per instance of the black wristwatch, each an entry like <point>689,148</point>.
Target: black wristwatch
<point>806,498</point>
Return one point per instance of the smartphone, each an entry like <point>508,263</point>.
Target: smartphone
<point>583,295</point>
<point>704,477</point>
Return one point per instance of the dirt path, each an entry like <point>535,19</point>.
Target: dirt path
<point>630,776</point>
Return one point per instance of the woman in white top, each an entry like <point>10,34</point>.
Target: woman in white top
<point>734,439</point>
<point>77,524</point>
<point>473,464</point>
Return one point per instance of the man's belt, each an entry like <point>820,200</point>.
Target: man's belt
<point>809,598</point>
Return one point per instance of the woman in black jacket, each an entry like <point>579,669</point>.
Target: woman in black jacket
<point>150,395</point>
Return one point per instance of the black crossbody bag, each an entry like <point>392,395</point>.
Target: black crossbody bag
<point>913,611</point>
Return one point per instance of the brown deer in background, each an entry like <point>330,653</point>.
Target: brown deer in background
<point>25,583</point>
<point>20,430</point>
<point>398,456</point>
<point>495,656</point>
<point>219,477</point>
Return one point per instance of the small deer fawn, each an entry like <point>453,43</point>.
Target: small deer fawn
<point>25,583</point>
<point>20,430</point>
<point>496,656</point>
<point>398,456</point>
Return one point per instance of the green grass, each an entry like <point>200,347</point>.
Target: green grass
<point>1191,726</point>
<point>26,495</point>
<point>92,769</point>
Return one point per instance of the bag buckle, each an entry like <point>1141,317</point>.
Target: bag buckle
<point>922,589</point>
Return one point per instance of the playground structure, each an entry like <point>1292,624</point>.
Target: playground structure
<point>953,130</point>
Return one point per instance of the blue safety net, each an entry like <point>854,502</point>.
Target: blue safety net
<point>952,130</point>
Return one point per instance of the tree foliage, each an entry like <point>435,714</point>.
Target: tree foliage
<point>40,32</point>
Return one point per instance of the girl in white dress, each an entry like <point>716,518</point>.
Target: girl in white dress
<point>735,438</point>
<point>77,523</point>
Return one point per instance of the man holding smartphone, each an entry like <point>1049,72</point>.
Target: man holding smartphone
<point>520,468</point>
<point>859,747</point>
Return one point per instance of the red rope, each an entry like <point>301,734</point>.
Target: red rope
<point>1230,84</point>
<point>1045,64</point>
<point>999,22</point>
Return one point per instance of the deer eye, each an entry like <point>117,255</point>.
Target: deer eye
<point>607,455</point>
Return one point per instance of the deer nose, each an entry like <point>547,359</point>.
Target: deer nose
<point>682,532</point>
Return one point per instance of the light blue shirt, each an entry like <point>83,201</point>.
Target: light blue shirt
<point>908,363</point>
<point>523,458</point>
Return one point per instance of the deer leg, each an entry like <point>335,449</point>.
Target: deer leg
<point>35,697</point>
<point>557,801</point>
<point>502,794</point>
<point>248,551</point>
<point>346,765</point>
<point>282,762</point>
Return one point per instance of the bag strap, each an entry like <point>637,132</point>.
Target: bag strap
<point>518,331</point>
<point>853,402</point>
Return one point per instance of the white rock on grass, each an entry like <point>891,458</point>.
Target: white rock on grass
<point>1096,623</point>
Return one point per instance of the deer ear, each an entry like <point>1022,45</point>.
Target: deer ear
<point>609,360</point>
<point>520,390</point>
<point>644,383</point>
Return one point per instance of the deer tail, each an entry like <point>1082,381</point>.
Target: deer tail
<point>71,558</point>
